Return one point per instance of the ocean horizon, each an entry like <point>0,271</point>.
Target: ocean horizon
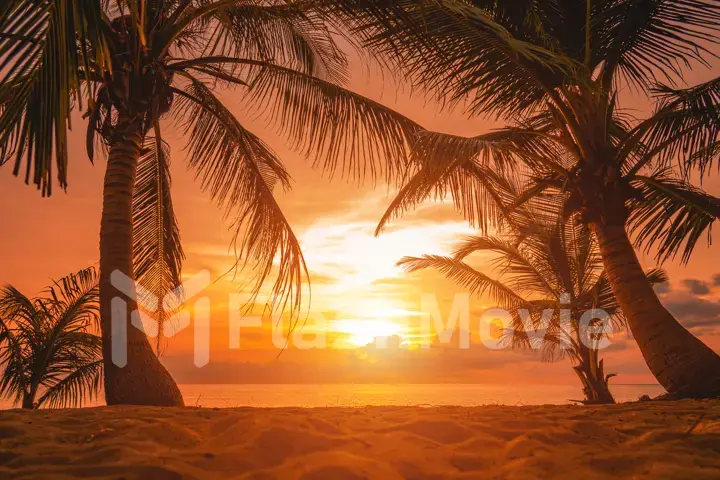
<point>360,395</point>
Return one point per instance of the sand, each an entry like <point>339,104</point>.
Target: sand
<point>639,440</point>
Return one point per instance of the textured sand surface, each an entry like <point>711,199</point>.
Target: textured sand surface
<point>645,440</point>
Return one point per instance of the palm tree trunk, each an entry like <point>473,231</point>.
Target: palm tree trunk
<point>143,380</point>
<point>28,402</point>
<point>684,365</point>
<point>595,389</point>
<point>591,372</point>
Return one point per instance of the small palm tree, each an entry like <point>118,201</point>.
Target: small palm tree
<point>534,278</point>
<point>554,71</point>
<point>131,65</point>
<point>48,354</point>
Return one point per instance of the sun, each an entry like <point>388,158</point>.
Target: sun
<point>362,332</point>
<point>373,318</point>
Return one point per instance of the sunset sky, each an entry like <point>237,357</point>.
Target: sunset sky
<point>356,286</point>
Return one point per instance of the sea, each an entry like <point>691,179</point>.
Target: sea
<point>360,395</point>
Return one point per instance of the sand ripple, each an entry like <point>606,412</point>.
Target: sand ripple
<point>646,440</point>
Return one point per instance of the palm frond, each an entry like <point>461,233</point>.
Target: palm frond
<point>528,273</point>
<point>467,277</point>
<point>650,38</point>
<point>17,318</point>
<point>671,215</point>
<point>15,306</point>
<point>45,341</point>
<point>457,49</point>
<point>344,132</point>
<point>481,174</point>
<point>554,348</point>
<point>74,300</point>
<point>656,276</point>
<point>476,192</point>
<point>157,252</point>
<point>530,141</point>
<point>240,172</point>
<point>535,278</point>
<point>284,33</point>
<point>484,175</point>
<point>81,384</point>
<point>558,258</point>
<point>39,51</point>
<point>686,125</point>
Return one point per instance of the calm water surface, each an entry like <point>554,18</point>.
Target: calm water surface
<point>225,396</point>
<point>400,395</point>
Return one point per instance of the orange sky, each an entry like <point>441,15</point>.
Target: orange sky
<point>356,287</point>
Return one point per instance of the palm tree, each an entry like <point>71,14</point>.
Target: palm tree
<point>538,271</point>
<point>554,71</point>
<point>128,65</point>
<point>49,355</point>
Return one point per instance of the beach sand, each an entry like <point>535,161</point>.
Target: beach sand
<point>638,440</point>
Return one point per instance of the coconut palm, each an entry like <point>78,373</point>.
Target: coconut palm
<point>129,65</point>
<point>48,353</point>
<point>537,272</point>
<point>554,71</point>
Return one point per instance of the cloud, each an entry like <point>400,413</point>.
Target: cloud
<point>696,287</point>
<point>619,343</point>
<point>695,312</point>
<point>716,280</point>
<point>693,309</point>
<point>662,288</point>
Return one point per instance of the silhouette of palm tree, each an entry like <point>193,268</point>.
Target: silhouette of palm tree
<point>554,71</point>
<point>49,355</point>
<point>543,267</point>
<point>131,64</point>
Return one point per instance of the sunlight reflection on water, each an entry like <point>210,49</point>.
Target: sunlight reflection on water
<point>400,395</point>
